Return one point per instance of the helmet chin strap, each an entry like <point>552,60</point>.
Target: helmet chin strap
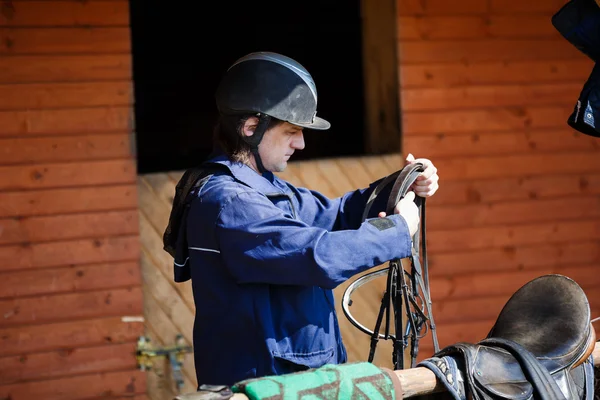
<point>256,138</point>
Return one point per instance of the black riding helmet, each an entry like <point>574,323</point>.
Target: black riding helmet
<point>269,85</point>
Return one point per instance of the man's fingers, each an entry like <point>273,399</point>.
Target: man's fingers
<point>410,196</point>
<point>410,158</point>
<point>382,214</point>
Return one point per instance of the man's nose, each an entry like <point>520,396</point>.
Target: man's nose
<point>298,142</point>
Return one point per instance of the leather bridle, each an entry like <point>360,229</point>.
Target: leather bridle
<point>402,288</point>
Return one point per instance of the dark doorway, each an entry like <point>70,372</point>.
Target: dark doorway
<point>180,53</point>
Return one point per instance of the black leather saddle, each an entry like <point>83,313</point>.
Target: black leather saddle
<point>539,348</point>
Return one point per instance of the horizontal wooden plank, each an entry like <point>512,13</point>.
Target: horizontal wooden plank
<point>434,27</point>
<point>480,308</point>
<point>511,7</point>
<point>490,119</point>
<point>65,362</point>
<point>495,73</point>
<point>64,41</point>
<point>512,213</point>
<point>73,252</point>
<point>508,237</point>
<point>420,99</point>
<point>70,200</point>
<point>497,143</point>
<point>65,95</point>
<point>64,307</point>
<point>66,227</point>
<point>65,13</point>
<point>517,188</point>
<point>75,278</point>
<point>66,121</point>
<point>515,258</point>
<point>67,335</point>
<point>505,283</point>
<point>39,149</point>
<point>473,51</point>
<point>441,7</point>
<point>65,68</point>
<point>518,165</point>
<point>67,174</point>
<point>113,384</point>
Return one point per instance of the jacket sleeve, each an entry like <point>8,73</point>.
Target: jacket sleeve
<point>344,212</point>
<point>261,244</point>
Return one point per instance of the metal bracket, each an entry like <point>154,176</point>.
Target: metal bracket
<point>175,354</point>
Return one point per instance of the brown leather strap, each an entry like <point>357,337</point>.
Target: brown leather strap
<point>398,392</point>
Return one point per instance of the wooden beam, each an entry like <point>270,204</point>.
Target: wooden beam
<point>382,103</point>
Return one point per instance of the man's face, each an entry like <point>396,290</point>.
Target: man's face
<point>278,145</point>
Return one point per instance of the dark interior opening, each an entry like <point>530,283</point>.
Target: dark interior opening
<point>181,49</point>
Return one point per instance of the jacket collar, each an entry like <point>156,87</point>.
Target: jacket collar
<point>265,183</point>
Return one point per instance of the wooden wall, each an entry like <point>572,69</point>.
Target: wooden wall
<point>487,86</point>
<point>69,271</point>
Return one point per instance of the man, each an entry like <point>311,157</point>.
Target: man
<point>263,255</point>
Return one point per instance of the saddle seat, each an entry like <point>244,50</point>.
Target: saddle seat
<point>549,318</point>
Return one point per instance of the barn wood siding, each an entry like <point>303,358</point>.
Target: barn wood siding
<point>69,246</point>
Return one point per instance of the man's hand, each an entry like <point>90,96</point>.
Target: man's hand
<point>427,183</point>
<point>409,211</point>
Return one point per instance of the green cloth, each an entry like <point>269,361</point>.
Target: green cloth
<point>360,381</point>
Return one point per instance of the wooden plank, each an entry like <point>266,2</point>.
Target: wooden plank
<point>480,308</point>
<point>65,362</point>
<point>475,285</point>
<point>517,165</point>
<point>534,210</point>
<point>163,332</point>
<point>490,119</point>
<point>473,51</point>
<point>517,258</point>
<point>73,252</point>
<point>65,95</point>
<point>380,75</point>
<point>486,73</point>
<point>31,150</point>
<point>420,99</point>
<point>68,227</point>
<point>518,188</point>
<point>71,334</point>
<point>175,306</point>
<point>67,174</point>
<point>66,121</point>
<point>76,278</point>
<point>441,7</point>
<point>534,7</point>
<point>98,385</point>
<point>155,257</point>
<point>509,237</point>
<point>475,27</point>
<point>64,41</point>
<point>336,177</point>
<point>65,68</point>
<point>60,307</point>
<point>70,200</point>
<point>515,142</point>
<point>65,13</point>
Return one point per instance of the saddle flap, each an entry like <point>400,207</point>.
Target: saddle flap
<point>499,374</point>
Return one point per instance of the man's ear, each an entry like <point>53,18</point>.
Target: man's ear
<point>250,126</point>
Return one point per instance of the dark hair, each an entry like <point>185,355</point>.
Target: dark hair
<point>228,136</point>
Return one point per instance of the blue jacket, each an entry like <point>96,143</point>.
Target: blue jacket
<point>264,257</point>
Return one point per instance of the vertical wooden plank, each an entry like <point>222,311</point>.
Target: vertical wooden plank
<point>381,85</point>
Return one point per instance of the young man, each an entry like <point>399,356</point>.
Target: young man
<point>263,255</point>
